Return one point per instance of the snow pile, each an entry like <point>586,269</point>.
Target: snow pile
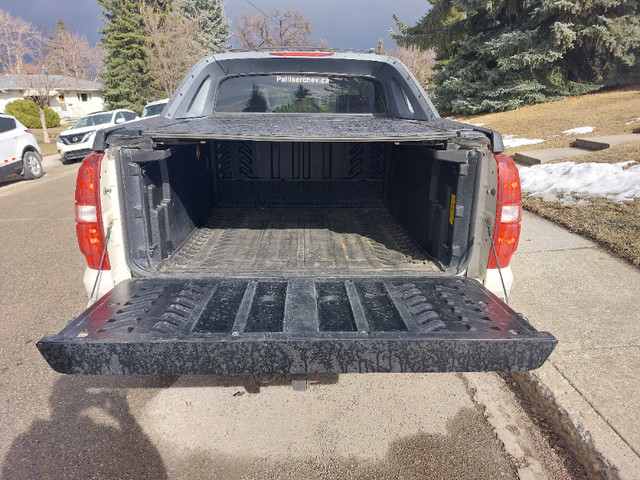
<point>575,182</point>
<point>579,131</point>
<point>511,141</point>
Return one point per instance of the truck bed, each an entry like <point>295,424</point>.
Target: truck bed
<point>297,241</point>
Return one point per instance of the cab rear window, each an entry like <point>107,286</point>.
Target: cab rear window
<point>296,93</point>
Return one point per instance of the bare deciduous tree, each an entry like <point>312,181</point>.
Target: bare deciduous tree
<point>40,86</point>
<point>70,54</point>
<point>95,62</point>
<point>173,46</point>
<point>37,64</point>
<point>276,29</point>
<point>19,40</point>
<point>420,62</point>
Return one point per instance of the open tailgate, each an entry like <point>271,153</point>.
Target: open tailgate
<point>297,325</point>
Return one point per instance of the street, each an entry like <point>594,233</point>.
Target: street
<point>439,426</point>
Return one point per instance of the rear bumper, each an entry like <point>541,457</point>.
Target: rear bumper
<point>297,325</point>
<point>97,282</point>
<point>494,278</point>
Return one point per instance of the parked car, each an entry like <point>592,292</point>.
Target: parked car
<point>77,141</point>
<point>19,151</point>
<point>152,109</point>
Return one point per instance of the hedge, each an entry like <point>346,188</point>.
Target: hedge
<point>28,113</point>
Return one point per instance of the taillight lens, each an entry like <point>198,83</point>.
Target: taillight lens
<point>509,212</point>
<point>91,238</point>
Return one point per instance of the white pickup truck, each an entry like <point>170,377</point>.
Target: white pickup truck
<point>297,212</point>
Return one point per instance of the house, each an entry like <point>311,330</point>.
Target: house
<point>70,98</point>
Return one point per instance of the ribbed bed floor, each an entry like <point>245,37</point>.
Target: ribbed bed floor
<point>299,241</point>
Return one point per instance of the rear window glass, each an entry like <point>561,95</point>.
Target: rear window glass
<point>295,93</point>
<point>7,124</point>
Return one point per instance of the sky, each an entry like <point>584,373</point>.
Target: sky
<point>351,24</point>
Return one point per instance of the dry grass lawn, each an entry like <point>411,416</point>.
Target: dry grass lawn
<point>48,148</point>
<point>616,226</point>
<point>608,111</point>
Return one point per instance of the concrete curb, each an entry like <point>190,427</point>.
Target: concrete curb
<point>596,445</point>
<point>587,391</point>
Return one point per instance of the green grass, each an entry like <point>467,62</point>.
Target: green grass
<point>615,226</point>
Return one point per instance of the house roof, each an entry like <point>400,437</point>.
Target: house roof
<point>57,82</point>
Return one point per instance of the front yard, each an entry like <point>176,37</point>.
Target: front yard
<point>614,225</point>
<point>48,148</point>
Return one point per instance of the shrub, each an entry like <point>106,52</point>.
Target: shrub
<point>28,113</point>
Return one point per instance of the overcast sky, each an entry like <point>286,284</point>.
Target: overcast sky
<point>354,24</point>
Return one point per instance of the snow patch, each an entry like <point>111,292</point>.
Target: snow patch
<point>633,120</point>
<point>511,141</point>
<point>570,183</point>
<point>579,131</point>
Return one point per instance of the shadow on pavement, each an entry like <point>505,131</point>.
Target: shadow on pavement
<point>253,383</point>
<point>91,433</point>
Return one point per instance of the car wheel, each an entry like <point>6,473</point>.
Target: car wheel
<point>32,165</point>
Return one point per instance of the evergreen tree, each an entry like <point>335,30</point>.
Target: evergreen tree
<point>126,80</point>
<point>301,92</point>
<point>500,55</point>
<point>257,101</point>
<point>214,27</point>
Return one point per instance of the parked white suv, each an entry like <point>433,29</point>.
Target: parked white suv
<point>19,151</point>
<point>152,109</point>
<point>77,141</point>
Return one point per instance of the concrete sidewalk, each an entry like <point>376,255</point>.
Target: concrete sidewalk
<point>589,388</point>
<point>581,147</point>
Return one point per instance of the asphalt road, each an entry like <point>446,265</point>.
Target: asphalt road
<point>440,426</point>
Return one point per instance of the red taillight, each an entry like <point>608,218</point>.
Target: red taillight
<point>301,54</point>
<point>91,238</point>
<point>508,214</point>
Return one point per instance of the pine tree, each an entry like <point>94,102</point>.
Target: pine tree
<point>213,24</point>
<point>126,80</point>
<point>257,101</point>
<point>301,92</point>
<point>500,55</point>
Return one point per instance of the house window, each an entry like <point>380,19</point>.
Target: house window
<point>61,97</point>
<point>84,97</point>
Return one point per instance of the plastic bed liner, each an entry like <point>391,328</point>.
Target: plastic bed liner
<point>316,241</point>
<point>297,325</point>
